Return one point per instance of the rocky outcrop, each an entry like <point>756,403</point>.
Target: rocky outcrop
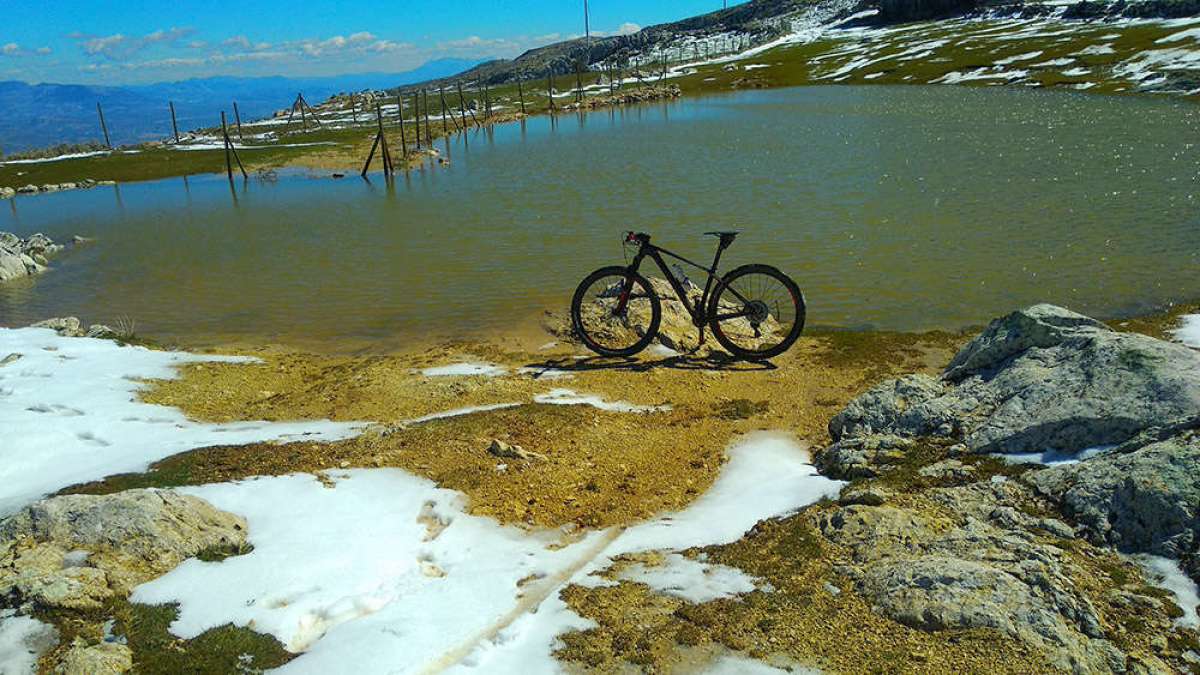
<point>1143,496</point>
<point>1041,379</point>
<point>76,551</point>
<point>969,557</point>
<point>937,540</point>
<point>24,257</point>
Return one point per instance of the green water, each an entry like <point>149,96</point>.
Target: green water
<point>894,207</point>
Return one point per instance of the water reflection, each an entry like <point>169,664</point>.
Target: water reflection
<point>902,208</point>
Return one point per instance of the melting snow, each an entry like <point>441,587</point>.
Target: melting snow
<point>70,414</point>
<point>569,397</point>
<point>458,412</point>
<point>1189,330</point>
<point>689,579</point>
<point>1052,457</point>
<point>465,370</point>
<point>386,572</point>
<point>1166,573</point>
<point>22,641</point>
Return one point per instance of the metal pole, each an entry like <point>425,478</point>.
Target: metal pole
<point>174,125</point>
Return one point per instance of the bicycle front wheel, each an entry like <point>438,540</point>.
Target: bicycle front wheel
<point>757,312</point>
<point>615,313</point>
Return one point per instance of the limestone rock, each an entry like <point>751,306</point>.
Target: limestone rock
<point>503,450</point>
<point>66,326</point>
<point>1143,496</point>
<point>105,658</point>
<point>75,550</point>
<point>1039,379</point>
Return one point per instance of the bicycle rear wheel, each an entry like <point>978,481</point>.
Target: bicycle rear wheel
<point>615,313</point>
<point>757,312</point>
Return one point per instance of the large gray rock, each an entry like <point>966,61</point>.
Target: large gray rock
<point>24,257</point>
<point>75,551</point>
<point>105,658</point>
<point>1040,379</point>
<point>1144,496</point>
<point>987,569</point>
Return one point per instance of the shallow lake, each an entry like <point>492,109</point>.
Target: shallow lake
<point>894,207</point>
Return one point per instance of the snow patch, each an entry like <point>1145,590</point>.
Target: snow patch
<point>689,579</point>
<point>386,572</point>
<point>570,397</point>
<point>1189,330</point>
<point>22,640</point>
<point>458,412</point>
<point>1052,457</point>
<point>71,414</point>
<point>1166,574</point>
<point>465,370</point>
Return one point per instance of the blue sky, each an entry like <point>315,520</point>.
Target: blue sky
<point>137,41</point>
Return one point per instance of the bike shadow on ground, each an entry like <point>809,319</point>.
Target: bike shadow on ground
<point>713,361</point>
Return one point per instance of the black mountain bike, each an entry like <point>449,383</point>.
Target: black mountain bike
<point>755,312</point>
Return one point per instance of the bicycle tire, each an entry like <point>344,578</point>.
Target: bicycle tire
<point>739,351</point>
<point>577,312</point>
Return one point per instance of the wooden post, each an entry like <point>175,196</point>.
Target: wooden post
<point>428,136</point>
<point>174,125</point>
<point>230,149</point>
<point>578,83</point>
<point>487,101</point>
<point>291,112</point>
<point>103,126</point>
<point>237,118</point>
<point>403,138</point>
<point>303,117</point>
<point>353,110</point>
<point>380,143</point>
<point>446,110</point>
<point>417,117</point>
<point>463,104</point>
<point>521,94</point>
<point>550,88</point>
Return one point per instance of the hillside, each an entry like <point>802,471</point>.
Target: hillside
<point>38,115</point>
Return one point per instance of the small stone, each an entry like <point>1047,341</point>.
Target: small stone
<point>503,450</point>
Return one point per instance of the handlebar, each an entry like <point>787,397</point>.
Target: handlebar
<point>632,237</point>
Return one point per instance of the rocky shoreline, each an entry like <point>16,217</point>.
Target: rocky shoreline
<point>31,189</point>
<point>21,258</point>
<point>996,515</point>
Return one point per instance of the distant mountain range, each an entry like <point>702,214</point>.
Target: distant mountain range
<point>39,115</point>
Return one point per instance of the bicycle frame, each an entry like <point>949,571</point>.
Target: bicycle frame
<point>699,312</point>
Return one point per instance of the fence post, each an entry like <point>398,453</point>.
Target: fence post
<point>174,125</point>
<point>103,126</point>
<point>237,118</point>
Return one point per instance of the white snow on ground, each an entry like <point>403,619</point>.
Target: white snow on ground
<point>237,146</point>
<point>22,641</point>
<point>1192,34</point>
<point>69,414</point>
<point>56,158</point>
<point>1189,330</point>
<point>569,397</point>
<point>465,370</point>
<point>1052,457</point>
<point>1166,573</point>
<point>385,572</point>
<point>457,412</point>
<point>1019,57</point>
<point>732,664</point>
<point>691,580</point>
<point>546,373</point>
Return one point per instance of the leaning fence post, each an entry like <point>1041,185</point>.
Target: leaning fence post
<point>229,148</point>
<point>103,126</point>
<point>174,125</point>
<point>237,118</point>
<point>428,135</point>
<point>403,138</point>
